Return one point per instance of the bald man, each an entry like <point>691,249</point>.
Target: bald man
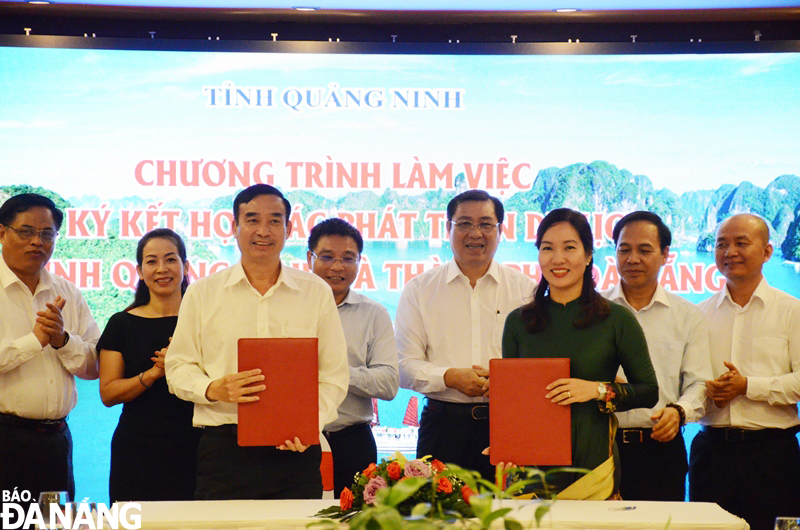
<point>746,457</point>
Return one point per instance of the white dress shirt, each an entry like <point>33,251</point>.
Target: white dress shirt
<point>221,308</point>
<point>372,356</point>
<point>39,382</point>
<point>762,339</point>
<point>677,338</point>
<point>442,322</point>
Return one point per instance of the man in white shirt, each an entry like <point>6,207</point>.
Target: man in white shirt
<point>746,458</point>
<point>334,253</point>
<point>449,324</point>
<point>47,338</point>
<point>651,446</point>
<point>257,297</point>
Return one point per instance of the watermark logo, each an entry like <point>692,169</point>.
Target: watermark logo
<point>19,512</point>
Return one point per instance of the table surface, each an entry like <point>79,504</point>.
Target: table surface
<point>252,514</point>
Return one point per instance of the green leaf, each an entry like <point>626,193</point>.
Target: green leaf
<point>512,524</point>
<point>403,490</point>
<point>494,516</point>
<point>421,509</point>
<point>327,511</point>
<point>541,511</point>
<point>481,505</point>
<point>388,518</point>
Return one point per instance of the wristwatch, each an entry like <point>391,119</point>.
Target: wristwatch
<point>66,340</point>
<point>601,389</point>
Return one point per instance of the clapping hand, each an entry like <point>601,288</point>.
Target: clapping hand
<point>727,386</point>
<point>49,326</point>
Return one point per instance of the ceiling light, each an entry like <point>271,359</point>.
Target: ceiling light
<point>305,8</point>
<point>38,2</point>
<point>567,10</point>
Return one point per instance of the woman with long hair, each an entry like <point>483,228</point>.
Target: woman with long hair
<point>154,447</point>
<point>568,318</point>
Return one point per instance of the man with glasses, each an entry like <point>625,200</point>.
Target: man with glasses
<point>334,254</point>
<point>450,324</point>
<point>257,297</point>
<point>47,337</point>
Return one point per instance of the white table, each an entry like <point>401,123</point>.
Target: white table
<point>207,515</point>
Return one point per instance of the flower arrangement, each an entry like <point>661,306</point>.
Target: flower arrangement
<point>424,493</point>
<point>421,482</point>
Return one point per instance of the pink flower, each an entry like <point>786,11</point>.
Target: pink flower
<point>374,485</point>
<point>417,468</point>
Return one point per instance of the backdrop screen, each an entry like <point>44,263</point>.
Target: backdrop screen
<point>129,140</point>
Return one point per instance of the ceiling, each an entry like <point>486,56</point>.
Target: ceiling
<point>412,20</point>
<point>441,5</point>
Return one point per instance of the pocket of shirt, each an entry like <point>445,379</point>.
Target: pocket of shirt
<point>497,331</point>
<point>668,359</point>
<point>770,356</point>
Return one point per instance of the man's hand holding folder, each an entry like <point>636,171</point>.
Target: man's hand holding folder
<point>234,388</point>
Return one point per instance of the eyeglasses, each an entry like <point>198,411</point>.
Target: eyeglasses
<point>326,260</point>
<point>466,226</point>
<point>47,235</point>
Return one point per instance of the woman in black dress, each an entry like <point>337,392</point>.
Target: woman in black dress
<point>153,451</point>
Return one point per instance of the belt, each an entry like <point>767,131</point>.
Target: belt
<point>640,435</point>
<point>735,434</point>
<point>18,422</point>
<point>227,429</point>
<point>332,435</point>
<point>635,436</point>
<point>476,411</point>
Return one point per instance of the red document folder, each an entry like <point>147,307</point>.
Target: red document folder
<point>289,406</point>
<point>525,427</point>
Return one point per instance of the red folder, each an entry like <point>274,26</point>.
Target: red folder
<point>289,406</point>
<point>525,427</point>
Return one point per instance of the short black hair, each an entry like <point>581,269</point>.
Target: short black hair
<point>334,227</point>
<point>250,193</point>
<point>475,195</point>
<point>664,234</point>
<point>25,201</point>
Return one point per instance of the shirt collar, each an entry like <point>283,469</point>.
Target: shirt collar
<point>284,277</point>
<point>7,278</point>
<point>453,271</point>
<point>351,298</point>
<point>659,297</point>
<point>762,293</point>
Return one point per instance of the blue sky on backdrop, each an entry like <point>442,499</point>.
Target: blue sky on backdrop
<point>76,119</point>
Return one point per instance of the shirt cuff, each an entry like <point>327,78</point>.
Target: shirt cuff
<point>29,345</point>
<point>688,411</point>
<point>436,379</point>
<point>757,388</point>
<point>200,388</point>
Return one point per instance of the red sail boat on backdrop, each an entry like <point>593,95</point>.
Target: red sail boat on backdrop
<point>375,421</point>
<point>410,417</point>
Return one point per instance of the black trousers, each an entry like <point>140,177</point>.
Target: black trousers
<point>456,433</point>
<point>353,449</point>
<point>227,471</point>
<point>651,470</point>
<point>35,457</point>
<point>752,474</point>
